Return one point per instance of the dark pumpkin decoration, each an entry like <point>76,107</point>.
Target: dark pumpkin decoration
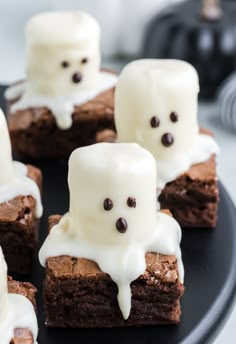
<point>200,32</point>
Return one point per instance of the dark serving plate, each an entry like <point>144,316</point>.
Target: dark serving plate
<point>210,263</point>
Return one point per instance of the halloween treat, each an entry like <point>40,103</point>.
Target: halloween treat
<point>66,99</point>
<point>18,323</point>
<point>112,243</point>
<point>20,206</point>
<point>156,106</point>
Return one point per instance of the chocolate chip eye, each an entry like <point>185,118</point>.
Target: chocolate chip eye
<point>84,60</point>
<point>131,202</point>
<point>65,64</point>
<point>107,204</point>
<point>155,122</point>
<point>174,117</point>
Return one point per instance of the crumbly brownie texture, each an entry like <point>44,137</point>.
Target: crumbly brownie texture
<point>22,335</point>
<point>19,229</point>
<point>35,134</point>
<point>78,294</point>
<point>193,197</point>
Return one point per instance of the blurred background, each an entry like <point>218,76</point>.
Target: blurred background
<point>202,32</point>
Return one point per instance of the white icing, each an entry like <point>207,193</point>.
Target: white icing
<point>115,171</point>
<point>62,107</point>
<point>16,311</point>
<point>170,169</point>
<point>13,175</point>
<point>53,38</point>
<point>148,88</point>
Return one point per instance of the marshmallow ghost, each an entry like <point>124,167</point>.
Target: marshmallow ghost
<point>16,311</point>
<point>63,64</point>
<point>13,175</point>
<point>112,218</point>
<point>156,106</point>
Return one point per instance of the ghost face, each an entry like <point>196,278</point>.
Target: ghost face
<point>107,197</point>
<point>156,106</point>
<point>62,70</point>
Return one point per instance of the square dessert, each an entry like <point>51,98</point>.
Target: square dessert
<point>66,99</point>
<point>35,134</point>
<point>78,294</point>
<point>193,197</point>
<point>22,335</point>
<point>19,228</point>
<point>112,260</point>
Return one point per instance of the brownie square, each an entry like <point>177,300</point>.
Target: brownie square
<point>19,229</point>
<point>193,197</point>
<point>35,134</point>
<point>22,335</point>
<point>78,294</point>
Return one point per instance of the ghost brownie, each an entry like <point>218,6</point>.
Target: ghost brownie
<point>22,335</point>
<point>66,100</point>
<point>103,266</point>
<point>156,105</point>
<point>193,196</point>
<point>20,207</point>
<point>18,323</point>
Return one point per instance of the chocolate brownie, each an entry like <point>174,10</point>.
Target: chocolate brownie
<point>193,197</point>
<point>35,134</point>
<point>19,229</point>
<point>78,294</point>
<point>22,335</point>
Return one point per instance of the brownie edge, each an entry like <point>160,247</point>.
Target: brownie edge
<point>35,134</point>
<point>19,229</point>
<point>78,294</point>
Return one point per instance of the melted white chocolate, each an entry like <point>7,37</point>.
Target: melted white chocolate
<point>159,88</point>
<point>61,46</point>
<point>13,175</point>
<point>117,172</point>
<point>62,107</point>
<point>16,311</point>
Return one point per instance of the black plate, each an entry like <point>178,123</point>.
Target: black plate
<point>210,263</point>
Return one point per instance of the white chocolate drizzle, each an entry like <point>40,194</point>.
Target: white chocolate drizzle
<point>16,311</point>
<point>170,169</point>
<point>88,231</point>
<point>62,107</point>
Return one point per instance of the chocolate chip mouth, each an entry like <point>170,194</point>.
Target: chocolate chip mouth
<point>167,139</point>
<point>77,77</point>
<point>121,225</point>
